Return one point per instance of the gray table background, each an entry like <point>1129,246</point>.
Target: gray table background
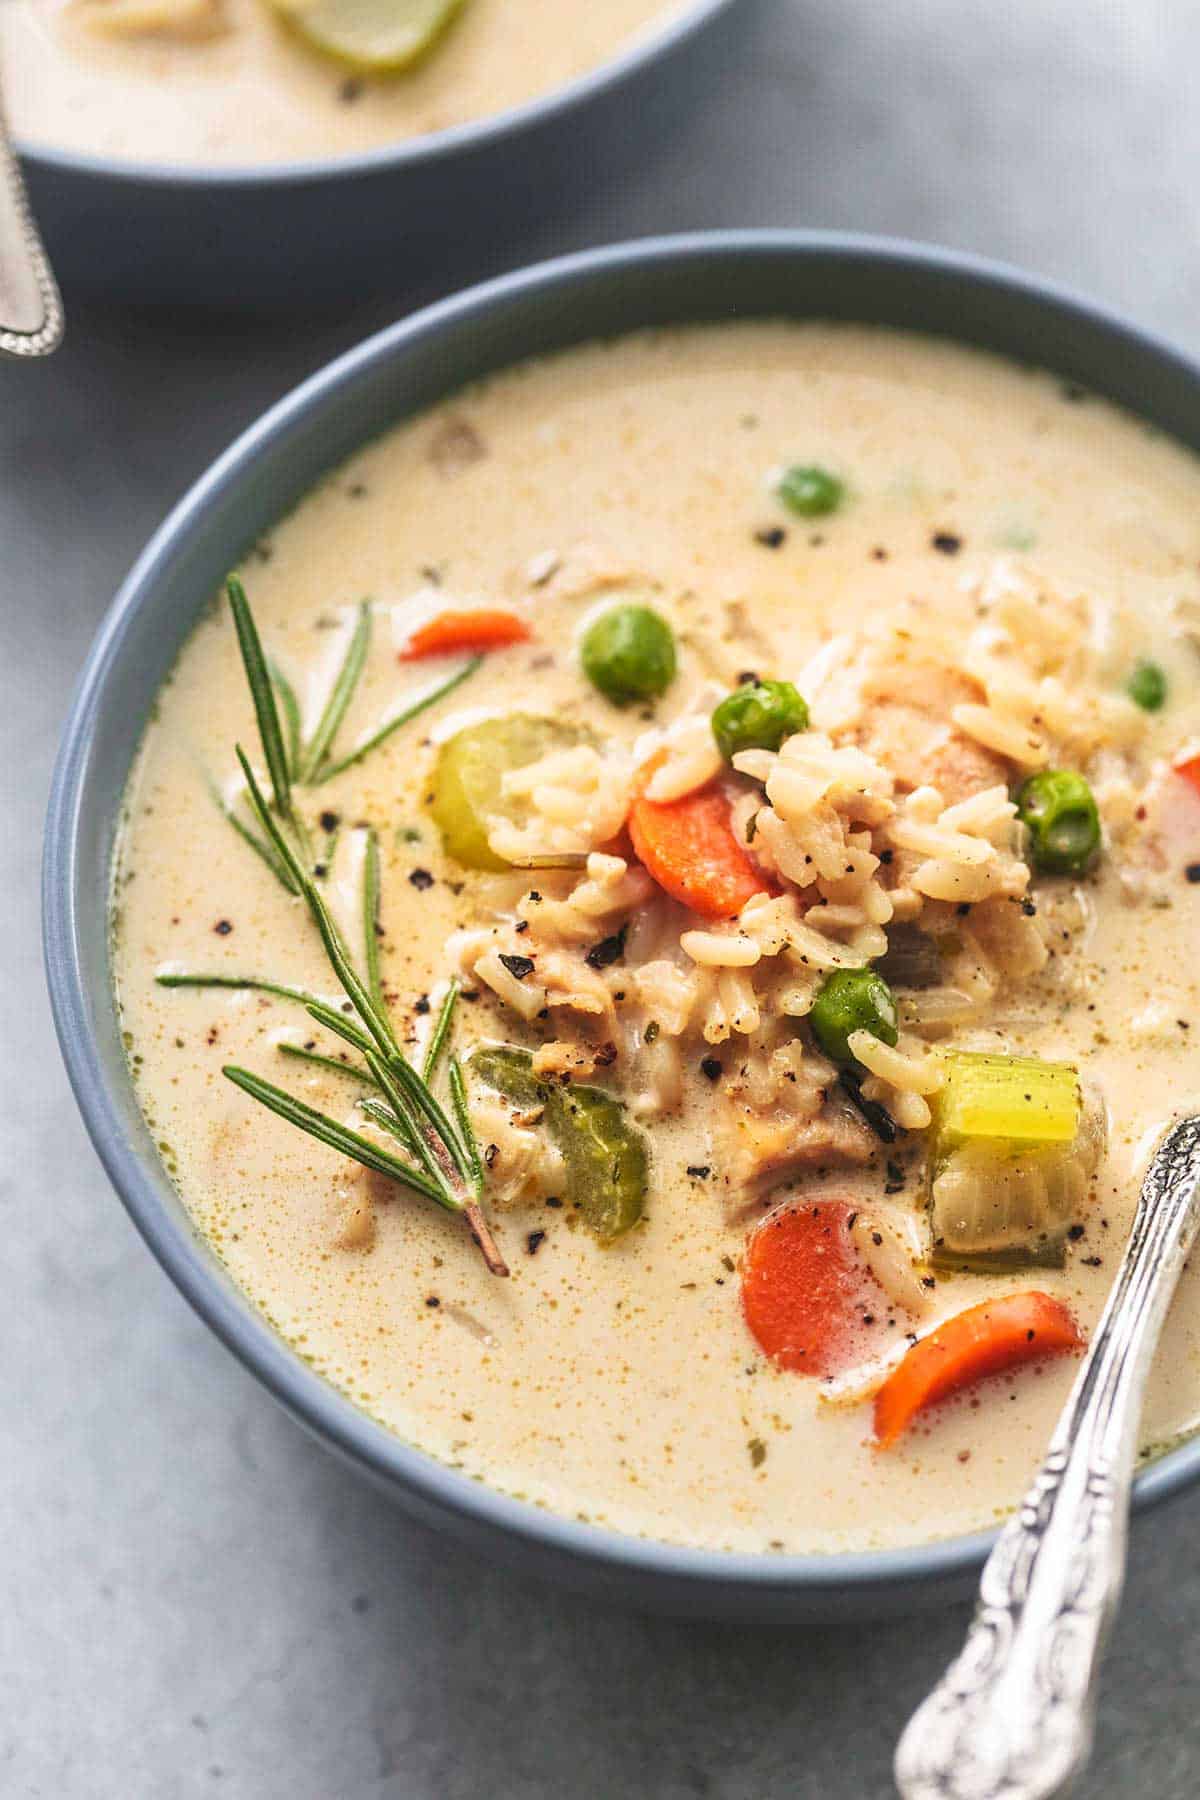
<point>194,1600</point>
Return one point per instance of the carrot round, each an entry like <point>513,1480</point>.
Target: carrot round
<point>1188,767</point>
<point>689,849</point>
<point>984,1340</point>
<point>805,1292</point>
<point>480,628</point>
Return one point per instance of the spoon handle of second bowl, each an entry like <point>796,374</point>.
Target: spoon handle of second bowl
<point>31,314</point>
<point>1012,1717</point>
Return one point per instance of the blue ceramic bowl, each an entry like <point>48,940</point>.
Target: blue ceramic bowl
<point>416,216</point>
<point>392,375</point>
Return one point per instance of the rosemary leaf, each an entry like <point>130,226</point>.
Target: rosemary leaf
<point>185,980</point>
<point>257,844</point>
<point>384,1116</point>
<point>437,1130</point>
<point>329,770</point>
<point>340,1026</point>
<point>348,678</point>
<point>286,695</point>
<point>441,1031</point>
<point>333,1063</point>
<point>339,1137</point>
<point>440,1167</point>
<point>458,1096</point>
<point>371,920</point>
<point>263,695</point>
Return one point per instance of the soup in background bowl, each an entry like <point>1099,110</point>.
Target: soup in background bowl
<point>650,920</point>
<point>229,152</point>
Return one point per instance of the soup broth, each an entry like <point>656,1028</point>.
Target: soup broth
<point>960,567</point>
<point>247,91</point>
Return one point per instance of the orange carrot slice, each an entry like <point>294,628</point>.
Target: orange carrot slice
<point>689,849</point>
<point>481,628</point>
<point>805,1292</point>
<point>984,1340</point>
<point>1189,768</point>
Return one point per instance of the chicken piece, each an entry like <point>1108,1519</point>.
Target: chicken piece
<point>355,1199</point>
<point>906,726</point>
<point>524,1166</point>
<point>755,1151</point>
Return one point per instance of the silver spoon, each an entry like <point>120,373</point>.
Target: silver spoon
<point>1013,1716</point>
<point>31,314</point>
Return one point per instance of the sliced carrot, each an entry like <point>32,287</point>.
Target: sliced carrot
<point>984,1340</point>
<point>1189,768</point>
<point>688,847</point>
<point>805,1292</point>
<point>481,628</point>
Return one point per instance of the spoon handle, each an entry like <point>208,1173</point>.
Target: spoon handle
<point>31,314</point>
<point>1012,1717</point>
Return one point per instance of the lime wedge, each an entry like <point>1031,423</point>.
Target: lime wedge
<point>373,35</point>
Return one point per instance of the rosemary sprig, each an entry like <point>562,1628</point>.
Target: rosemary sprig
<point>263,695</point>
<point>339,1137</point>
<point>371,898</point>
<point>330,769</point>
<point>434,1139</point>
<point>332,1063</point>
<point>341,694</point>
<point>451,1170</point>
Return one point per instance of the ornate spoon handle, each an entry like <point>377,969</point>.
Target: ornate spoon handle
<point>31,314</point>
<point>1012,1717</point>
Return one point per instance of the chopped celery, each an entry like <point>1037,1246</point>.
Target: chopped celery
<point>1013,1152</point>
<point>468,781</point>
<point>1020,1097</point>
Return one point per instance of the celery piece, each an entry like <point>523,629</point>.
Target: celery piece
<point>468,780</point>
<point>1013,1152</point>
<point>1017,1097</point>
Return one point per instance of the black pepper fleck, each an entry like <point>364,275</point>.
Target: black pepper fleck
<point>608,951</point>
<point>421,878</point>
<point>518,966</point>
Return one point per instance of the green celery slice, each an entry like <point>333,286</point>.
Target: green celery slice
<point>1019,1098</point>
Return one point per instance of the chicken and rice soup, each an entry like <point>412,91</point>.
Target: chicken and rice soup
<point>654,924</point>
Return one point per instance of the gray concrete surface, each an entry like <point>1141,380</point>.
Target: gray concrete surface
<point>194,1600</point>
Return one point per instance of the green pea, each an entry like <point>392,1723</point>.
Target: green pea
<point>811,491</point>
<point>1064,827</point>
<point>1148,686</point>
<point>853,1000</point>
<point>758,716</point>
<point>629,654</point>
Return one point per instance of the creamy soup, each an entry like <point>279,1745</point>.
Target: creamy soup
<point>222,81</point>
<point>808,821</point>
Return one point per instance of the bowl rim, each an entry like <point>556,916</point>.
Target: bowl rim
<point>657,40</point>
<point>406,1470</point>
